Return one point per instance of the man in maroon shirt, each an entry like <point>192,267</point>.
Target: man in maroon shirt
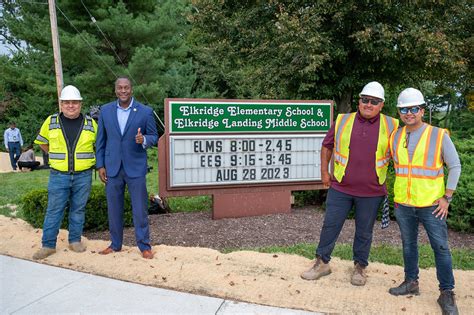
<point>358,180</point>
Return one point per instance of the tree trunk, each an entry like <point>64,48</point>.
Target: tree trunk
<point>344,102</point>
<point>447,116</point>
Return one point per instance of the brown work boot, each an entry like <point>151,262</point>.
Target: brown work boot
<point>77,247</point>
<point>318,270</point>
<point>407,287</point>
<point>44,252</point>
<point>359,277</point>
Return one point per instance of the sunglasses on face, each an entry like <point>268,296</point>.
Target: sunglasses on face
<point>413,110</point>
<point>372,101</point>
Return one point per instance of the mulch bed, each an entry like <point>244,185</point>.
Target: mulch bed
<point>302,225</point>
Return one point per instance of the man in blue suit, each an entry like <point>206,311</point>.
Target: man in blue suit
<point>126,130</point>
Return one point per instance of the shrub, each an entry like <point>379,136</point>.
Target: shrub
<point>461,211</point>
<point>35,203</point>
<point>309,197</point>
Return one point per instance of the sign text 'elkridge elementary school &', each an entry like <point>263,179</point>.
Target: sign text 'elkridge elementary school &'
<point>189,117</point>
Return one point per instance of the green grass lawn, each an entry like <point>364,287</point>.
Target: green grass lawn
<point>15,185</point>
<point>390,255</point>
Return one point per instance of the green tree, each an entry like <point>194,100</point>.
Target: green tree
<point>99,40</point>
<point>328,49</point>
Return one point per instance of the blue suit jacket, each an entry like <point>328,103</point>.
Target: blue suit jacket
<point>114,149</point>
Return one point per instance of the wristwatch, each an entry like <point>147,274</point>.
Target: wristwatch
<point>448,199</point>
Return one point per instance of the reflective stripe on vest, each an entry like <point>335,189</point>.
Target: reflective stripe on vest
<point>89,155</point>
<point>418,172</point>
<point>88,125</point>
<point>433,147</point>
<point>390,124</point>
<point>339,158</point>
<point>340,129</point>
<point>57,156</point>
<point>54,122</point>
<point>42,139</point>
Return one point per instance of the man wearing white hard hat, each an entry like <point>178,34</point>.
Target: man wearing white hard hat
<point>358,142</point>
<point>69,138</point>
<point>419,152</point>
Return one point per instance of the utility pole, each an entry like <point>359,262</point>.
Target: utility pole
<point>56,49</point>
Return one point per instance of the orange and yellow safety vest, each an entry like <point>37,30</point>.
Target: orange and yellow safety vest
<point>419,182</point>
<point>342,139</point>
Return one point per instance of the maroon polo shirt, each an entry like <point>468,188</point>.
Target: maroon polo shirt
<point>360,178</point>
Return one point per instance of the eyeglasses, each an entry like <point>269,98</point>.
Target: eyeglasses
<point>372,101</point>
<point>413,110</point>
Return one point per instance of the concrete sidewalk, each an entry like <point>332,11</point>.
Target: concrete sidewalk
<point>31,288</point>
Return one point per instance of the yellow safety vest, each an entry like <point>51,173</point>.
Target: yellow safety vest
<point>82,156</point>
<point>419,182</point>
<point>342,140</point>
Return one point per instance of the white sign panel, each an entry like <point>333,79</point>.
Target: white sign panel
<point>238,159</point>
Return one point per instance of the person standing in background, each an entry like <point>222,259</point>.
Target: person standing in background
<point>13,143</point>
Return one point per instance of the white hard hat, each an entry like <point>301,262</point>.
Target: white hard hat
<point>410,97</point>
<point>374,89</point>
<point>70,93</point>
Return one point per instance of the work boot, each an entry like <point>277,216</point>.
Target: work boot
<point>359,277</point>
<point>447,302</point>
<point>407,287</point>
<point>318,270</point>
<point>77,247</point>
<point>44,252</point>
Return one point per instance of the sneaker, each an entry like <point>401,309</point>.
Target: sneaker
<point>318,270</point>
<point>44,252</point>
<point>407,287</point>
<point>77,247</point>
<point>447,303</point>
<point>359,277</point>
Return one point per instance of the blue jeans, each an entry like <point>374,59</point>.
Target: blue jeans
<point>408,219</point>
<point>63,189</point>
<point>14,149</point>
<point>338,205</point>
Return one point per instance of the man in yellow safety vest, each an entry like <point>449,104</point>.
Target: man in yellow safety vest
<point>419,151</point>
<point>359,143</point>
<point>69,138</point>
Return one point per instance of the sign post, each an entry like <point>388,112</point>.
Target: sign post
<point>248,154</point>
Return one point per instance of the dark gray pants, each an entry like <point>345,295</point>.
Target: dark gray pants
<point>338,205</point>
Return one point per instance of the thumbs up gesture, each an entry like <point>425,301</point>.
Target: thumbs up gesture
<point>139,136</point>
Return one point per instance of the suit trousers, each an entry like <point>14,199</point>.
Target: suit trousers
<point>115,189</point>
